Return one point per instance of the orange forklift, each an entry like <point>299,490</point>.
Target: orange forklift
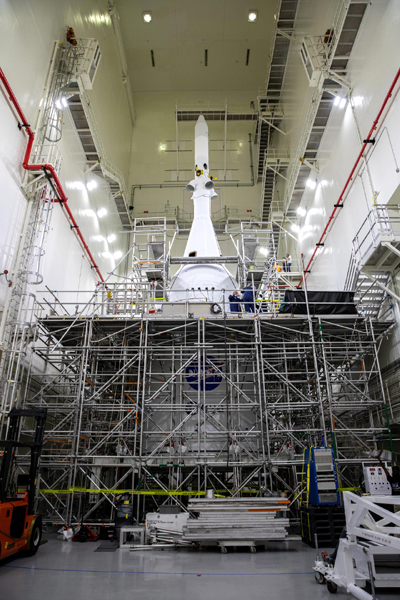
<point>20,528</point>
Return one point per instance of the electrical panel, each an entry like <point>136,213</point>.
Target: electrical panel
<point>376,482</point>
<point>322,483</point>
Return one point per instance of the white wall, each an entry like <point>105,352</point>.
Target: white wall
<point>372,68</point>
<point>155,133</point>
<point>27,34</point>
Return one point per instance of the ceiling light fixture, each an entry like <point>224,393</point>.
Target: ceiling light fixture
<point>101,212</point>
<point>295,228</point>
<point>311,183</point>
<point>340,101</point>
<point>147,18</point>
<point>264,251</point>
<point>75,185</point>
<point>111,238</point>
<point>252,16</point>
<point>91,185</point>
<point>301,211</point>
<point>117,254</point>
<point>61,103</point>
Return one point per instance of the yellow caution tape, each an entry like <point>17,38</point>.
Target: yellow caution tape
<point>153,492</point>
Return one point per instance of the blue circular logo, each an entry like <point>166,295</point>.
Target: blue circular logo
<point>209,376</point>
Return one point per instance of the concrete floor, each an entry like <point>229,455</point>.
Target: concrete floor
<point>67,570</point>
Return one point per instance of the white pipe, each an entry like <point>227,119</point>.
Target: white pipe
<point>124,66</point>
<point>358,592</point>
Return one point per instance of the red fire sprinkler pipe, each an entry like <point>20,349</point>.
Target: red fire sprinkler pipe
<point>48,169</point>
<point>340,202</point>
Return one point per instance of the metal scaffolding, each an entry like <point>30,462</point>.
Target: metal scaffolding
<point>169,403</point>
<point>167,407</point>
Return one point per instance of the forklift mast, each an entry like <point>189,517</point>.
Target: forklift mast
<point>11,443</point>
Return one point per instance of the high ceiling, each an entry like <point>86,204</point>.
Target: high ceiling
<point>180,33</point>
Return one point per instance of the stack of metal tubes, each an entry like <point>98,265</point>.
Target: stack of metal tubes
<point>237,521</point>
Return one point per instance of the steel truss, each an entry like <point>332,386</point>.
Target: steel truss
<point>129,408</point>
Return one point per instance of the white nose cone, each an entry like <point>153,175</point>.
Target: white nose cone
<point>201,143</point>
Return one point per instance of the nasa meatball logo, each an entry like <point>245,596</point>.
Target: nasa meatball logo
<point>210,377</point>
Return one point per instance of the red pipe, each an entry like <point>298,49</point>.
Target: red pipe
<point>350,177</point>
<point>62,198</point>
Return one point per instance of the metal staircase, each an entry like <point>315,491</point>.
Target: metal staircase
<point>270,113</point>
<point>368,296</point>
<point>268,182</point>
<point>95,154</point>
<point>271,208</point>
<point>375,258</point>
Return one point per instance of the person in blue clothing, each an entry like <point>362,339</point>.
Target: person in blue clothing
<point>234,302</point>
<point>248,299</point>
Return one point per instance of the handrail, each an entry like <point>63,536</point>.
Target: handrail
<point>49,171</point>
<point>376,224</point>
<point>350,179</point>
<point>108,168</point>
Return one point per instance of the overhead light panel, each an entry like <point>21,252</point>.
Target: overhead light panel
<point>111,238</point>
<point>342,103</point>
<point>147,16</point>
<point>264,251</point>
<point>117,254</point>
<point>91,185</point>
<point>295,228</point>
<point>64,102</point>
<point>101,212</point>
<point>252,16</point>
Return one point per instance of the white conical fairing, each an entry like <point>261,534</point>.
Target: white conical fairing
<point>202,241</point>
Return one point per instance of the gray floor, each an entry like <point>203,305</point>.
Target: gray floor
<point>73,571</point>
